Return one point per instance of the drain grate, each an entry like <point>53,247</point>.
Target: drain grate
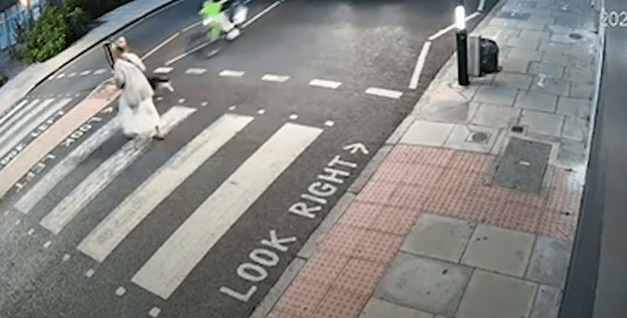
<point>575,36</point>
<point>518,129</point>
<point>523,165</point>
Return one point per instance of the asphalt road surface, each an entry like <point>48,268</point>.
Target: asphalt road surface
<point>264,138</point>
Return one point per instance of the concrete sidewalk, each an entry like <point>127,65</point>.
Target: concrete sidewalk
<point>471,208</point>
<point>108,24</point>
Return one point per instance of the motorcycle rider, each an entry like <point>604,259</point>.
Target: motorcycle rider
<point>214,10</point>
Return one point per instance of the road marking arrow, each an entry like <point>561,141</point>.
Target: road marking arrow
<point>358,146</point>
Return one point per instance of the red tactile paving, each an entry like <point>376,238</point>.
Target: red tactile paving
<point>411,197</point>
<point>391,171</point>
<point>378,247</point>
<point>522,198</point>
<point>556,224</point>
<point>421,155</point>
<point>361,214</point>
<point>360,277</point>
<point>422,175</point>
<point>301,298</point>
<point>397,221</point>
<point>565,200</point>
<point>471,162</point>
<point>323,268</point>
<point>485,204</point>
<point>446,201</point>
<point>521,217</point>
<point>377,192</point>
<point>343,240</point>
<point>278,314</point>
<point>339,303</point>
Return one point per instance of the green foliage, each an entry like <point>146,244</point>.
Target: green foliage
<point>48,36</point>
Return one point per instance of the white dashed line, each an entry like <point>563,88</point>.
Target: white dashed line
<point>100,71</point>
<point>261,112</point>
<point>413,83</point>
<point>191,26</point>
<point>159,98</point>
<point>85,73</point>
<point>72,74</point>
<point>160,46</point>
<point>90,273</point>
<point>172,61</point>
<point>261,14</point>
<point>204,104</point>
<point>275,78</point>
<point>182,100</point>
<point>293,117</point>
<point>229,73</point>
<point>232,108</point>
<point>30,232</point>
<point>154,312</point>
<point>384,92</point>
<point>120,291</point>
<point>66,257</point>
<point>163,70</point>
<point>195,71</point>
<point>325,84</point>
<point>61,76</point>
<point>329,123</point>
<point>18,222</point>
<point>47,244</point>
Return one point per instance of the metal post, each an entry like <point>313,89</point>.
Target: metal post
<point>462,45</point>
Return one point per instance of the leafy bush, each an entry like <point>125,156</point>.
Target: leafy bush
<point>48,36</point>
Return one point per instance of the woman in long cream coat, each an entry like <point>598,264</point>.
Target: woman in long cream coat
<point>137,111</point>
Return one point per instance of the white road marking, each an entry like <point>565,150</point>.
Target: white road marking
<point>120,291</point>
<point>229,73</point>
<point>126,216</point>
<point>384,92</point>
<point>204,104</point>
<point>67,165</point>
<point>163,70</point>
<point>232,107</point>
<point>13,111</point>
<point>87,72</point>
<point>100,71</point>
<point>174,60</point>
<point>177,257</point>
<point>481,4</point>
<point>422,58</point>
<point>451,27</point>
<point>160,46</point>
<point>47,244</point>
<point>329,123</point>
<point>275,78</point>
<point>100,178</point>
<point>72,74</point>
<point>18,222</point>
<point>182,100</point>
<point>192,26</point>
<point>261,112</point>
<point>196,71</point>
<point>66,257</point>
<point>325,83</point>
<point>260,14</point>
<point>154,312</point>
<point>159,98</point>
<point>30,232</point>
<point>90,272</point>
<point>11,122</point>
<point>293,117</point>
<point>29,123</point>
<point>61,76</point>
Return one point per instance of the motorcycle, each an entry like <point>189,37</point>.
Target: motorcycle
<point>235,13</point>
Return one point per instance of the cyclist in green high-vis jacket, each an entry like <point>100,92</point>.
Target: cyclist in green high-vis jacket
<point>213,10</point>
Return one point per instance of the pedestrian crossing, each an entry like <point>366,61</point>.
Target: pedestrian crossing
<point>166,270</point>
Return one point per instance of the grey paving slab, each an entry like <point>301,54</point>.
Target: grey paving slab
<point>439,237</point>
<point>514,65</point>
<point>513,80</point>
<point>533,34</point>
<point>424,284</point>
<point>427,133</point>
<point>536,101</point>
<point>550,85</point>
<point>379,308</point>
<point>581,90</point>
<point>555,71</point>
<point>528,43</point>
<point>585,75</point>
<point>496,116</point>
<point>567,59</point>
<point>575,128</point>
<point>532,25</point>
<point>448,111</point>
<point>571,153</point>
<point>551,46</point>
<point>549,261</point>
<point>495,296</point>
<point>496,95</point>
<point>542,123</point>
<point>503,22</point>
<point>547,303</point>
<point>500,250</point>
<point>472,138</point>
<point>526,54</point>
<point>575,107</point>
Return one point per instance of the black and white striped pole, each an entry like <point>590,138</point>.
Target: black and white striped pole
<point>462,44</point>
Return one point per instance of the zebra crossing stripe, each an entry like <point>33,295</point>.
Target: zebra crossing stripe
<point>63,168</point>
<point>163,70</point>
<point>325,83</point>
<point>28,124</point>
<point>229,73</point>
<point>195,71</point>
<point>177,257</point>
<point>13,119</point>
<point>275,78</point>
<point>100,178</point>
<point>13,111</point>
<point>119,223</point>
<point>384,92</point>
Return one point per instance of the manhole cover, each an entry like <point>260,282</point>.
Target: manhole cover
<point>575,36</point>
<point>479,137</point>
<point>523,165</point>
